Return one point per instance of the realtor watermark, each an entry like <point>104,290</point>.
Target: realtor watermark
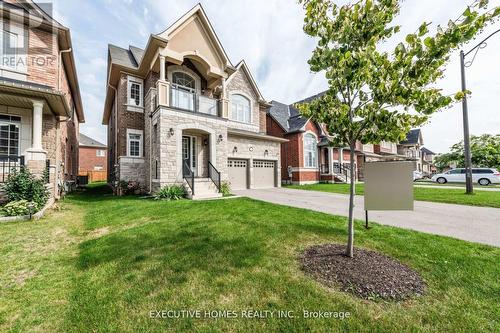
<point>248,314</point>
<point>28,37</point>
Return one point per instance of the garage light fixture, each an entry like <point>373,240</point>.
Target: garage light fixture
<point>171,131</point>
<point>235,150</point>
<point>220,138</point>
<point>266,152</point>
<point>251,148</point>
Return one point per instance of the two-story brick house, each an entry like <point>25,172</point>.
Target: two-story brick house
<point>40,103</point>
<point>308,156</point>
<point>92,159</point>
<point>411,147</point>
<point>179,112</point>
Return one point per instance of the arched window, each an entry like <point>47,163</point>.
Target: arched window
<point>240,108</point>
<point>310,151</point>
<point>183,79</point>
<point>183,91</point>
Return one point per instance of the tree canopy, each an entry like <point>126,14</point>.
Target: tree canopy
<point>485,151</point>
<point>375,95</point>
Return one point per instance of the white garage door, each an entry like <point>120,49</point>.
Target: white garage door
<point>264,174</point>
<point>238,174</point>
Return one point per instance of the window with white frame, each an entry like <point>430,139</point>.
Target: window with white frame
<point>240,108</point>
<point>135,92</point>
<point>134,143</point>
<point>8,49</point>
<point>310,151</point>
<point>98,167</point>
<point>100,153</point>
<point>9,135</point>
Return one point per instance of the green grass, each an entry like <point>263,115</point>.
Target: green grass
<point>101,264</point>
<point>453,196</point>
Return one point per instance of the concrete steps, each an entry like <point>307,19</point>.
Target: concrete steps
<point>204,188</point>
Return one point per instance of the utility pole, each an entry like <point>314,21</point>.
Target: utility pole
<point>468,160</point>
<point>465,112</point>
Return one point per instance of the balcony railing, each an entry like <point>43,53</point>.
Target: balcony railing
<point>9,163</point>
<point>189,100</point>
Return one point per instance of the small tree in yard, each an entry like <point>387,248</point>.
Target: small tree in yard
<point>376,95</point>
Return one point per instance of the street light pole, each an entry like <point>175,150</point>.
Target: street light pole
<point>467,154</point>
<point>468,160</point>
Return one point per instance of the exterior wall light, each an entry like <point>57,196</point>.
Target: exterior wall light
<point>220,138</point>
<point>266,152</point>
<point>171,131</point>
<point>251,148</point>
<point>205,142</point>
<point>235,150</point>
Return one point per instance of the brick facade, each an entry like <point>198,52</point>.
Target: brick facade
<point>89,159</point>
<point>43,66</point>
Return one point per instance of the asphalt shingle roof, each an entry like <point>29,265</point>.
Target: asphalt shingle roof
<point>427,151</point>
<point>411,137</point>
<point>89,142</point>
<point>124,57</point>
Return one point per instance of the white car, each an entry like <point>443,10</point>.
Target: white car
<point>482,176</point>
<point>417,175</point>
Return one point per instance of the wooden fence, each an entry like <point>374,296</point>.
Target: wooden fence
<point>95,176</point>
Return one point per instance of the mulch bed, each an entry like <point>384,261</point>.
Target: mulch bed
<point>369,275</point>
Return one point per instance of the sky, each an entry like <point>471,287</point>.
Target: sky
<point>268,35</point>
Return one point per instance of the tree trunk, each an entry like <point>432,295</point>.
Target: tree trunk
<point>352,192</point>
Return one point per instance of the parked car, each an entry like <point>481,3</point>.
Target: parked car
<point>482,176</point>
<point>417,175</point>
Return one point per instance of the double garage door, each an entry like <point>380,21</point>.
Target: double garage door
<point>264,174</point>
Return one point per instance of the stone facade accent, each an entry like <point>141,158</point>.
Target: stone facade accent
<point>239,83</point>
<point>132,169</point>
<point>254,149</point>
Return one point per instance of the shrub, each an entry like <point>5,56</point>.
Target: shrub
<point>225,188</point>
<point>129,187</point>
<point>22,185</point>
<point>19,207</point>
<point>172,192</point>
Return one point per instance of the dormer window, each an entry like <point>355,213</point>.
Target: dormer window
<point>240,108</point>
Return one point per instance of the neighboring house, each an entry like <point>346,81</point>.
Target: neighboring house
<point>428,167</point>
<point>178,112</point>
<point>93,159</point>
<point>40,102</point>
<point>410,148</point>
<point>308,156</point>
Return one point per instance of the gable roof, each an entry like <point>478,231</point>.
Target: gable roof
<point>427,151</point>
<point>243,66</point>
<point>412,137</point>
<point>198,11</point>
<point>287,116</point>
<point>87,141</point>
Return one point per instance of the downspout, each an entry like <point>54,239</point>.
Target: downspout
<point>116,127</point>
<point>59,61</point>
<point>151,153</point>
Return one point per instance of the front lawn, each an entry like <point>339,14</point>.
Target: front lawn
<point>453,196</point>
<point>101,264</point>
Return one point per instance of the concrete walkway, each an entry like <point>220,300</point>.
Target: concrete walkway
<point>475,224</point>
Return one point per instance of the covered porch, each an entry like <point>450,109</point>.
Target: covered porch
<point>29,127</point>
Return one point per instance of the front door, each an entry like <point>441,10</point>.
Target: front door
<point>189,153</point>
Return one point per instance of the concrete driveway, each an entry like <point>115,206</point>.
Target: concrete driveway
<point>475,224</point>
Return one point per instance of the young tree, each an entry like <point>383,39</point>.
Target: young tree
<point>376,95</point>
<point>485,152</point>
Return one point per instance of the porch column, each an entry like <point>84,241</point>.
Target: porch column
<point>162,68</point>
<point>37,124</point>
<point>224,101</point>
<point>330,160</point>
<point>36,152</point>
<point>341,155</point>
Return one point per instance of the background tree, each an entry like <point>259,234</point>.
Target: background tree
<point>375,95</point>
<point>485,151</point>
